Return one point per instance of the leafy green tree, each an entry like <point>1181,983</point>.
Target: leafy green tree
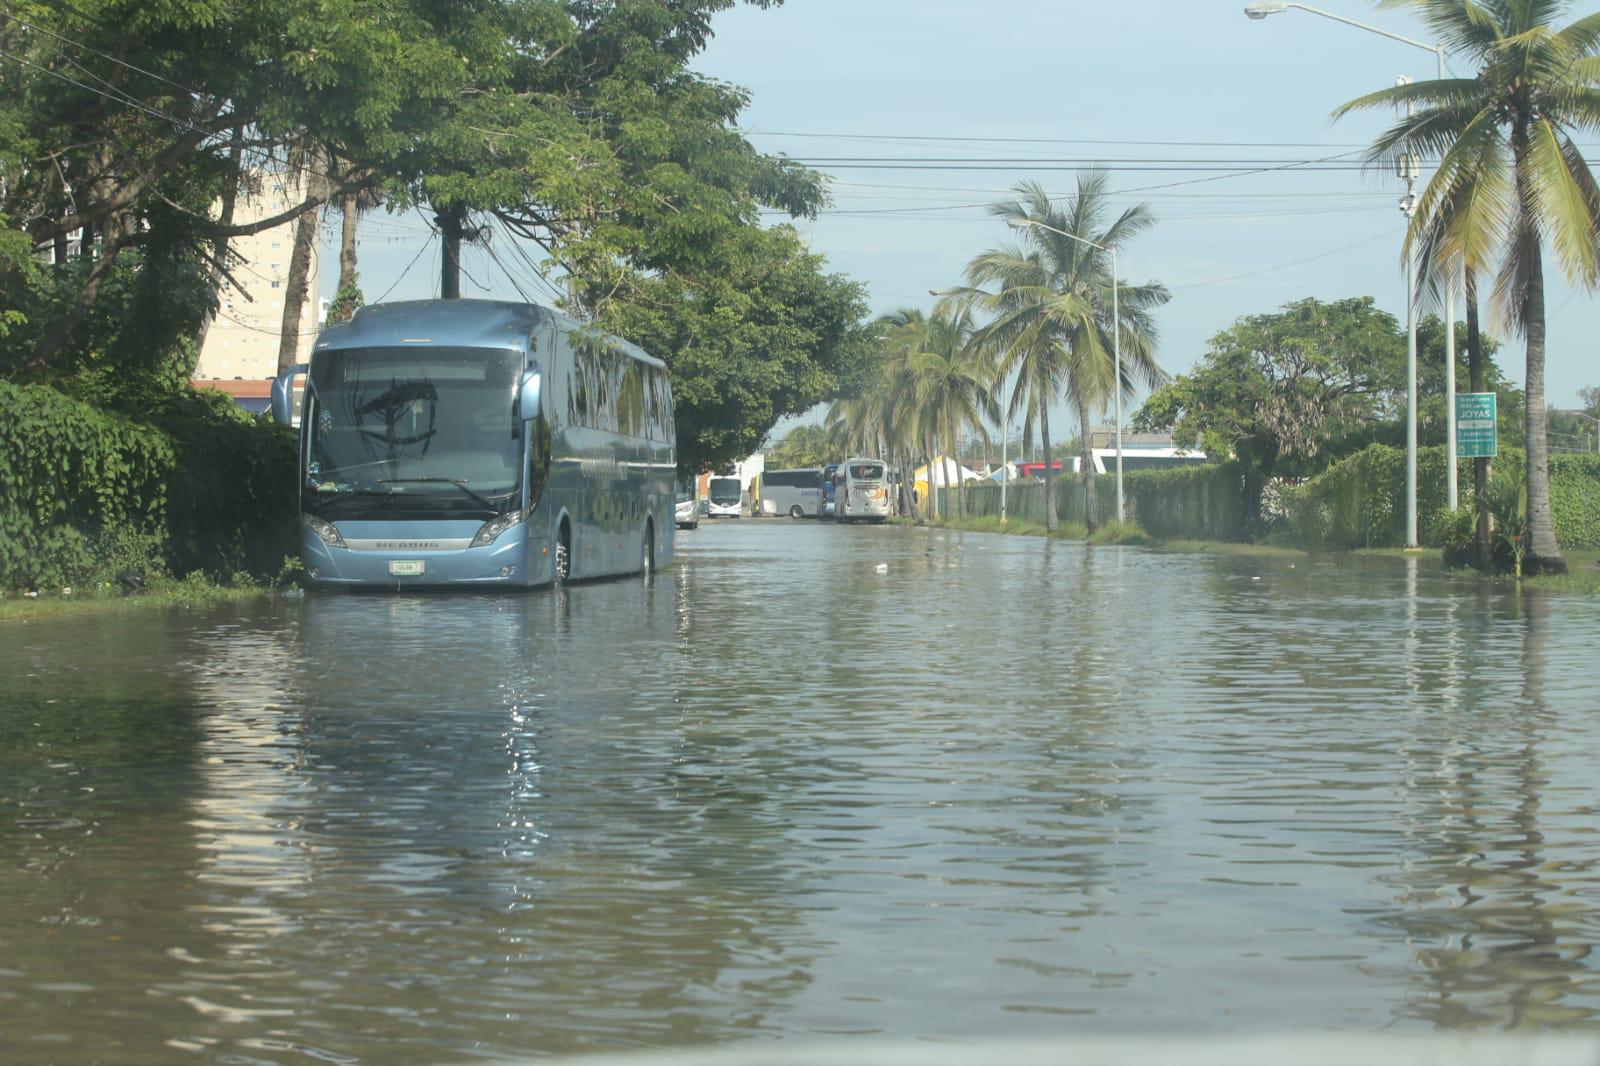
<point>762,332</point>
<point>1510,176</point>
<point>122,124</point>
<point>1275,391</point>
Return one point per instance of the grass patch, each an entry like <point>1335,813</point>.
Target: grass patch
<point>1121,533</point>
<point>1583,575</point>
<point>1583,566</point>
<point>193,591</point>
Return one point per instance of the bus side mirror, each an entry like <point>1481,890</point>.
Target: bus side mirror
<point>283,394</point>
<point>528,397</point>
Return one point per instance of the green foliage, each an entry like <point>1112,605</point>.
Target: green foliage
<point>763,334</point>
<point>231,494</point>
<point>73,478</point>
<point>346,302</point>
<point>804,446</point>
<point>1204,502</point>
<point>1359,502</point>
<point>86,495</point>
<point>1276,389</point>
<point>1575,499</point>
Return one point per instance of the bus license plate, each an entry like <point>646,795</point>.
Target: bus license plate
<point>405,567</point>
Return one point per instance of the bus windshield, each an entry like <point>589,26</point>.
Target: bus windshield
<point>419,422</point>
<point>724,490</point>
<point>866,471</point>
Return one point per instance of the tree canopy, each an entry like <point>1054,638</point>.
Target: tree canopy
<point>577,124</point>
<point>1287,392</point>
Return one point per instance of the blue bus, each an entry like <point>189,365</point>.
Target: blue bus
<point>479,444</point>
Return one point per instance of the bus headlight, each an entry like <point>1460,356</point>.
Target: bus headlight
<point>325,530</point>
<point>495,526</point>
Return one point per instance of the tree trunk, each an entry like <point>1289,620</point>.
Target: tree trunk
<point>1480,467</point>
<point>1091,509</point>
<point>909,485</point>
<point>1544,554</point>
<point>294,295</point>
<point>451,223</point>
<point>1051,520</point>
<point>350,214</point>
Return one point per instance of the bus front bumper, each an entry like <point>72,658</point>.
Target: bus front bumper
<point>504,563</point>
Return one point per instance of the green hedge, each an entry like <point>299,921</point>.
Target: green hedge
<point>1204,502</point>
<point>1575,500</point>
<point>85,493</point>
<point>1359,502</point>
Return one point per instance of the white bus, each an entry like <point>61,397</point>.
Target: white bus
<point>862,492</point>
<point>723,496</point>
<point>796,493</point>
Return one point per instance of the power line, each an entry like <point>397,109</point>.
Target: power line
<point>103,55</point>
<point>126,102</point>
<point>940,138</point>
<point>425,246</point>
<point>1284,266</point>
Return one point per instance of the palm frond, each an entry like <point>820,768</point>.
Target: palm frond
<point>1566,200</point>
<point>1464,26</point>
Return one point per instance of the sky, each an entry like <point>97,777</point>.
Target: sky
<point>921,112</point>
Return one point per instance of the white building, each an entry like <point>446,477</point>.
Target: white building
<point>240,355</point>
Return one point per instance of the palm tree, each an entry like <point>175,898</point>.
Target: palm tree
<point>952,385</point>
<point>897,409</point>
<point>1510,177</point>
<point>1052,313</point>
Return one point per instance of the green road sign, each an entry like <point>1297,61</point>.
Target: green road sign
<point>1475,426</point>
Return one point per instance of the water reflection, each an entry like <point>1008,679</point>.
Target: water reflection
<point>1498,890</point>
<point>811,781</point>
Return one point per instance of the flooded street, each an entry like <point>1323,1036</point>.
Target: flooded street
<point>1005,788</point>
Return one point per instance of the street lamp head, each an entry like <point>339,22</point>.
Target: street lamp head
<point>1019,223</point>
<point>1262,8</point>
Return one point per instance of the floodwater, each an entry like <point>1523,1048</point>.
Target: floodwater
<point>1004,788</point>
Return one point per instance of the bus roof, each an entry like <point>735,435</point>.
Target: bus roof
<point>456,324</point>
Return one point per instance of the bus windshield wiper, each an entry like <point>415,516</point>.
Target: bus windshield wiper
<point>460,483</point>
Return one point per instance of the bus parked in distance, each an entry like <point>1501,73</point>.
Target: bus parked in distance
<point>796,493</point>
<point>862,491</point>
<point>479,444</point>
<point>723,497</point>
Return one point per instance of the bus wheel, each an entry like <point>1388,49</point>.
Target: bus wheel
<point>647,551</point>
<point>563,567</point>
<point>797,511</point>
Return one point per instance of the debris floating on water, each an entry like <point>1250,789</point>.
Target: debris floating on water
<point>882,568</point>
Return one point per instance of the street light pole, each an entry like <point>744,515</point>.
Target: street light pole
<point>1116,338</point>
<point>1260,9</point>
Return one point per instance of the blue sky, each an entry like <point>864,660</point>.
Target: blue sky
<point>1160,81</point>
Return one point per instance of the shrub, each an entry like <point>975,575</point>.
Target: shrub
<point>86,494</point>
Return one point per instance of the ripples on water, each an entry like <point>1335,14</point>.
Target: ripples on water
<point>1008,787</point>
